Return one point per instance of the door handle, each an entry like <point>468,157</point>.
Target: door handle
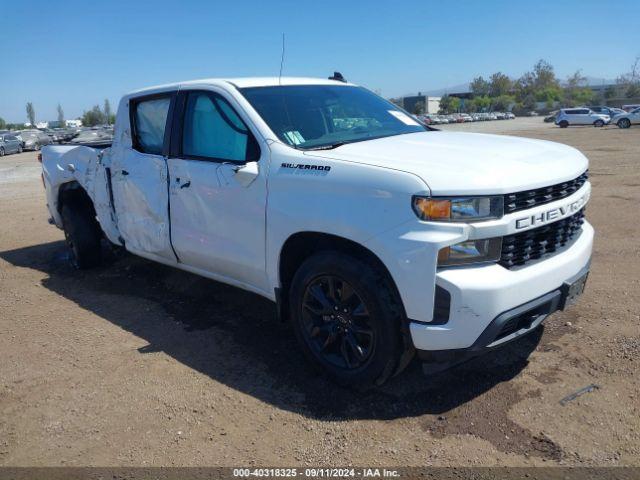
<point>186,185</point>
<point>124,172</point>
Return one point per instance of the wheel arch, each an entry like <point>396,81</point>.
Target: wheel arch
<point>302,245</point>
<point>73,192</point>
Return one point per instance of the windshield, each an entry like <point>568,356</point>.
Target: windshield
<point>327,116</point>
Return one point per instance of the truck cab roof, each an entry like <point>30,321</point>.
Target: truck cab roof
<point>240,82</point>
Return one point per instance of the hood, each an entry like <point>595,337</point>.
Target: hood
<point>458,163</point>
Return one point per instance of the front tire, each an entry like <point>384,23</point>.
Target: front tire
<point>1,152</point>
<point>347,319</point>
<point>82,234</point>
<point>563,124</point>
<point>624,123</point>
<point>598,123</point>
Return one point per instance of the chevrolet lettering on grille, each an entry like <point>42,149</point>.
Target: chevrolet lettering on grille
<point>552,214</point>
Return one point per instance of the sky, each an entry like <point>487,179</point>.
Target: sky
<point>78,53</point>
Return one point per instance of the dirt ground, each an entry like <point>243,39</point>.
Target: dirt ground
<point>136,364</point>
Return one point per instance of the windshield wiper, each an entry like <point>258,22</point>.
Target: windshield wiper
<point>328,147</point>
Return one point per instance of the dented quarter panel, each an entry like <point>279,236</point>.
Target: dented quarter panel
<point>62,165</point>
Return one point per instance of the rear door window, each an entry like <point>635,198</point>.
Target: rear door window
<point>149,121</point>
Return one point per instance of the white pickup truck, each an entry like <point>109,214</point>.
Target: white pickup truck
<point>376,236</point>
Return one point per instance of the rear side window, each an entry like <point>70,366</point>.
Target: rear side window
<point>213,130</point>
<point>150,121</point>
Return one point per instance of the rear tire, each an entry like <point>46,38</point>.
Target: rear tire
<point>347,319</point>
<point>598,123</point>
<point>563,124</point>
<point>83,234</point>
<point>624,123</point>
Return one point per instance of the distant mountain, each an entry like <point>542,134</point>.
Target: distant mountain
<point>463,87</point>
<point>599,81</point>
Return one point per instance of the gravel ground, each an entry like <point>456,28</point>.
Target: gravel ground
<point>136,364</point>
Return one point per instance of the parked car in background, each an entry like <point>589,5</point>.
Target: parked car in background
<point>424,119</point>
<point>551,117</point>
<point>92,136</point>
<point>580,116</point>
<point>625,120</point>
<point>611,111</point>
<point>53,135</point>
<point>34,139</point>
<point>629,108</point>
<point>616,111</point>
<point>9,143</point>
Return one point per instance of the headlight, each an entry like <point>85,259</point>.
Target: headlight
<point>462,209</point>
<point>471,251</point>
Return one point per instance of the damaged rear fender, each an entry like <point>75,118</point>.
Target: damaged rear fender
<point>68,168</point>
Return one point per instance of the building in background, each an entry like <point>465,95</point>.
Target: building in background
<point>421,104</point>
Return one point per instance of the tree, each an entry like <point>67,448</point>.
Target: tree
<point>479,86</point>
<point>575,92</point>
<point>61,122</point>
<point>418,108</point>
<point>549,95</point>
<point>633,90</point>
<point>529,85</point>
<point>107,111</point>
<point>93,117</point>
<point>31,114</point>
<point>3,124</point>
<point>481,104</point>
<point>499,84</point>
<point>610,92</point>
<point>544,76</point>
<point>449,104</point>
<point>503,102</point>
<point>630,82</point>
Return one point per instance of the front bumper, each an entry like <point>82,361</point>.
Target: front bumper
<point>481,294</point>
<point>505,328</point>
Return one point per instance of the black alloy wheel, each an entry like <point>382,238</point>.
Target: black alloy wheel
<point>348,317</point>
<point>336,323</point>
